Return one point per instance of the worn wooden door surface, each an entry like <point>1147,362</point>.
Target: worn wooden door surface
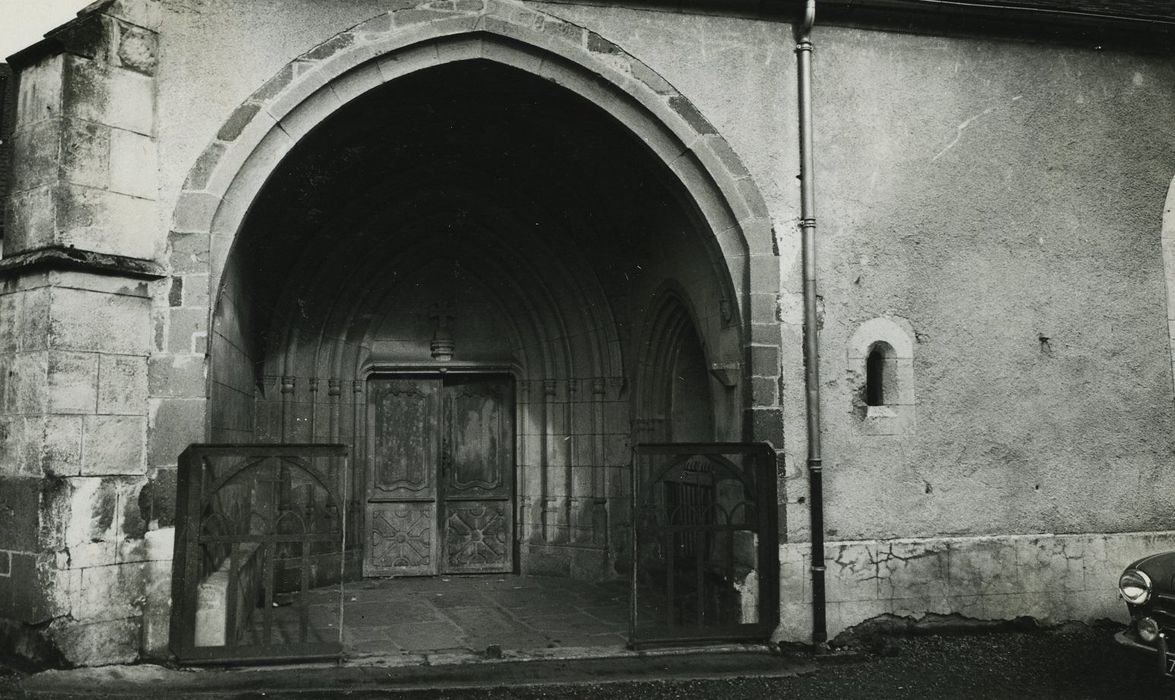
<point>403,426</point>
<point>440,479</point>
<point>477,475</point>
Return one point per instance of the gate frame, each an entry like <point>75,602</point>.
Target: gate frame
<point>184,583</point>
<point>767,551</point>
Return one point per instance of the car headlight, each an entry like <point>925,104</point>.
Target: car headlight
<point>1148,629</point>
<point>1135,587</point>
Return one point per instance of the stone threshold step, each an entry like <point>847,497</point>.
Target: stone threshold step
<point>321,680</point>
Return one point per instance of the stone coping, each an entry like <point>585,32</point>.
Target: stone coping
<point>62,258</point>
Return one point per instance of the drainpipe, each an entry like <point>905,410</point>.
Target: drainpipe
<point>811,336</point>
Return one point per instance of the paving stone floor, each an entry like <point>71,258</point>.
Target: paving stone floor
<point>471,613</point>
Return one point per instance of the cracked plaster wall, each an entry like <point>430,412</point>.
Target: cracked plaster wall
<point>1053,578</point>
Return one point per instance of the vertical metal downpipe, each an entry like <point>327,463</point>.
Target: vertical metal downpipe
<point>811,333</point>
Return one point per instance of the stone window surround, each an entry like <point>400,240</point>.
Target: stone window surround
<point>896,415</point>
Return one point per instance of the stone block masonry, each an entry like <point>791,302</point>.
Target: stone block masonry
<point>73,413</point>
<point>84,141</point>
<point>77,558</point>
<point>7,116</point>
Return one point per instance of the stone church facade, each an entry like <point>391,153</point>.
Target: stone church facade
<point>362,223</point>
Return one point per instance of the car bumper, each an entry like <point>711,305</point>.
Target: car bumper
<point>1161,650</point>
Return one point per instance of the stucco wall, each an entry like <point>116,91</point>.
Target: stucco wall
<point>213,58</point>
<point>1006,200</point>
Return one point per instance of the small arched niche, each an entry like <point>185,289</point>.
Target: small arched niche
<point>881,375</point>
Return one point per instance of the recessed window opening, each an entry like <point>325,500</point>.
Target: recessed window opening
<point>878,374</point>
<point>881,367</point>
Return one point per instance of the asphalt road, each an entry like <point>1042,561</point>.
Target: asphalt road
<point>1072,662</point>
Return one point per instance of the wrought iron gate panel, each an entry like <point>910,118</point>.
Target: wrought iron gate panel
<point>704,551</point>
<point>258,527</point>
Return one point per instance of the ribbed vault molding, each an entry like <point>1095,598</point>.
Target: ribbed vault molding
<point>565,314</point>
<point>579,306</point>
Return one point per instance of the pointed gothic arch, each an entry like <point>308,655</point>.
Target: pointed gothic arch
<point>292,366</point>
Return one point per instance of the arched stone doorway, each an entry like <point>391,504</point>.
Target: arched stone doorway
<point>475,210</point>
<point>469,224</point>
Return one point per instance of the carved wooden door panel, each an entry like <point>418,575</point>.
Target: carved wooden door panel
<point>403,428</point>
<point>477,475</point>
<point>440,482</point>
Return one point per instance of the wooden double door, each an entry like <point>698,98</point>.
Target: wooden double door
<point>440,478</point>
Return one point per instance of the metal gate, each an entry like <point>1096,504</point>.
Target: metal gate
<point>258,527</point>
<point>705,554</point>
